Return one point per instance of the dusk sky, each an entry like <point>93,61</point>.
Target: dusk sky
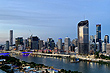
<point>52,18</point>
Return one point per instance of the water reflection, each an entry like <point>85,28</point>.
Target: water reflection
<point>65,60</point>
<point>83,66</point>
<point>91,64</point>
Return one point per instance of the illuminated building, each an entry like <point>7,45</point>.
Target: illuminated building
<point>98,35</point>
<point>83,37</point>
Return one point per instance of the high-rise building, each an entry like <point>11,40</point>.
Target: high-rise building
<point>92,39</point>
<point>83,37</point>
<point>63,46</point>
<point>40,44</point>
<point>29,43</point>
<point>7,45</point>
<point>98,35</point>
<point>106,39</point>
<point>45,44</point>
<point>108,49</point>
<point>67,44</point>
<point>25,44</point>
<point>92,46</point>
<point>50,43</point>
<point>11,37</point>
<point>18,42</point>
<point>60,43</point>
<point>75,42</point>
<point>103,47</point>
<point>33,42</point>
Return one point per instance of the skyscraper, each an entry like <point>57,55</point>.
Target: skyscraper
<point>103,47</point>
<point>18,41</point>
<point>75,42</point>
<point>11,37</point>
<point>25,41</point>
<point>60,43</point>
<point>33,42</point>
<point>50,43</point>
<point>98,35</point>
<point>83,37</point>
<point>67,44</point>
<point>40,44</point>
<point>7,45</point>
<point>106,39</point>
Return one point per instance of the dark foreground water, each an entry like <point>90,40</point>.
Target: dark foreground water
<point>60,63</point>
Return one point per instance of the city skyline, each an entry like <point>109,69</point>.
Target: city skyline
<point>51,18</point>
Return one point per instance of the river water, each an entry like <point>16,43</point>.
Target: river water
<point>62,63</point>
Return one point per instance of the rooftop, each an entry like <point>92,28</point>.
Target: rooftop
<point>82,23</point>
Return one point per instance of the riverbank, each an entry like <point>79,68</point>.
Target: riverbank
<point>97,60</point>
<point>13,64</point>
<point>64,63</point>
<point>84,58</point>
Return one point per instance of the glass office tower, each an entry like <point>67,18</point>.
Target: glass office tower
<point>98,35</point>
<point>83,37</point>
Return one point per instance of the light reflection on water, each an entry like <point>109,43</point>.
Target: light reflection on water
<point>91,64</point>
<point>82,66</point>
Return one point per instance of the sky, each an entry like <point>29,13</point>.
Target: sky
<point>52,18</point>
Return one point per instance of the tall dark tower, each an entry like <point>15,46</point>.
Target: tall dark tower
<point>11,37</point>
<point>83,37</point>
<point>98,35</point>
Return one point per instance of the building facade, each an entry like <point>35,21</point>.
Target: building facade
<point>75,42</point>
<point>40,44</point>
<point>25,44</point>
<point>106,39</point>
<point>83,37</point>
<point>98,35</point>
<point>67,44</point>
<point>50,43</point>
<point>103,47</point>
<point>92,39</point>
<point>18,42</point>
<point>60,43</point>
<point>7,45</point>
<point>11,37</point>
<point>108,49</point>
<point>33,42</point>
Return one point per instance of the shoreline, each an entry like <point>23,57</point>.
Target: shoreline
<point>41,68</point>
<point>66,56</point>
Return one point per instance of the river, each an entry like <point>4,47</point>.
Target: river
<point>61,63</point>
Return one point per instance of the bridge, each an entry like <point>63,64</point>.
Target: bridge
<point>45,54</point>
<point>38,53</point>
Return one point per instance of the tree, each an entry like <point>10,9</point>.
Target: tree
<point>97,54</point>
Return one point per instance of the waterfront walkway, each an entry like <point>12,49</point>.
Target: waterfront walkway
<point>63,55</point>
<point>89,59</point>
<point>45,54</point>
<point>38,53</point>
